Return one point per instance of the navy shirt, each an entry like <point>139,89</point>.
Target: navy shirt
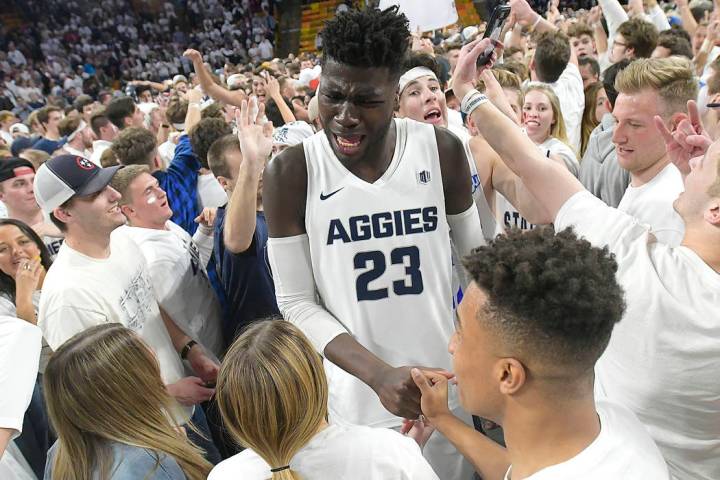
<point>47,145</point>
<point>245,277</point>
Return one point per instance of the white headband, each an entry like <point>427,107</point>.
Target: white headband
<point>77,130</point>
<point>413,74</point>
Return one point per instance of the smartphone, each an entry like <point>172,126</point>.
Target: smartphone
<point>499,15</point>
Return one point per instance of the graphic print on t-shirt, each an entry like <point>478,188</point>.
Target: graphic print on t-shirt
<point>136,300</point>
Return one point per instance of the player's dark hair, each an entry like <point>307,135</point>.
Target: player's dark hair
<point>552,298</point>
<point>367,38</point>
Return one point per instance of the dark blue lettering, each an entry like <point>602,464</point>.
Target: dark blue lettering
<point>382,225</point>
<point>430,218</point>
<point>337,232</point>
<point>412,223</point>
<point>360,228</point>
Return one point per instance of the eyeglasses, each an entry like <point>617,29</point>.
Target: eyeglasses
<point>620,44</point>
<point>713,105</point>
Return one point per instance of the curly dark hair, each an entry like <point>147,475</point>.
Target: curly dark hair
<point>552,298</point>
<point>204,134</point>
<point>367,38</point>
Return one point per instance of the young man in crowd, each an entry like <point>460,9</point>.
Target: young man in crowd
<point>123,113</point>
<point>241,232</point>
<point>7,119</point>
<point>523,356</point>
<point>589,70</point>
<point>84,105</point>
<point>17,194</point>
<point>658,360</point>
<point>635,38</point>
<point>600,171</point>
<point>180,180</point>
<point>78,292</point>
<point>105,132</point>
<point>581,40</point>
<point>360,214</point>
<point>176,262</point>
<point>49,119</point>
<point>648,88</point>
<point>78,135</point>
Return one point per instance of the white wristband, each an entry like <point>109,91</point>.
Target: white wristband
<point>471,101</point>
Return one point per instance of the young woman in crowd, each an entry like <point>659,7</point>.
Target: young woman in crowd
<point>108,405</point>
<point>545,126</point>
<point>24,260</point>
<point>272,393</point>
<point>595,108</point>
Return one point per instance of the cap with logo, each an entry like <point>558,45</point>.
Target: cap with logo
<point>66,176</point>
<point>14,167</point>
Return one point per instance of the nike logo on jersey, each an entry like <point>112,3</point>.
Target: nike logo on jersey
<point>325,197</point>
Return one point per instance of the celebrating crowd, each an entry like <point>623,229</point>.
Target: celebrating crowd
<point>409,256</point>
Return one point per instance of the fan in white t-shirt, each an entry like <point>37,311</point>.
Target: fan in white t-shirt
<point>176,261</point>
<point>100,276</point>
<point>19,357</point>
<point>658,360</point>
<point>273,396</point>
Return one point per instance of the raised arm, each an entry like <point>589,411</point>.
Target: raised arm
<point>218,93</point>
<point>551,184</point>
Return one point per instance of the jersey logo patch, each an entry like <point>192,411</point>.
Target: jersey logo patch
<point>423,177</point>
<point>325,197</point>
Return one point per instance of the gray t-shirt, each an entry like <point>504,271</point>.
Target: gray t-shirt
<point>600,172</point>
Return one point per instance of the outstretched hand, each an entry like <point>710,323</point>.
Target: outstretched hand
<point>688,140</point>
<point>466,70</point>
<point>255,136</point>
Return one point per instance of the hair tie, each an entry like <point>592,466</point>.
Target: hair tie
<point>279,469</point>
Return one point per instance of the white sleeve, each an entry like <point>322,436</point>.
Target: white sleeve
<point>614,14</point>
<point>657,17</point>
<point>204,243</point>
<point>465,230</point>
<point>20,344</point>
<point>600,224</point>
<point>296,292</point>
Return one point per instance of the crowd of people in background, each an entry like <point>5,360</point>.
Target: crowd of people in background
<point>509,267</point>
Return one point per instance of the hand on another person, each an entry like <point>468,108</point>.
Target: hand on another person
<point>434,393</point>
<point>397,391</point>
<point>190,391</point>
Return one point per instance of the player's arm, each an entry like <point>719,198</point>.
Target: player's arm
<point>462,216</point>
<point>550,183</point>
<point>284,193</point>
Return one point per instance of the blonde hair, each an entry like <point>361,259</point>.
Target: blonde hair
<point>589,120</point>
<point>272,392</point>
<point>124,177</point>
<point>36,157</point>
<point>672,78</point>
<point>558,129</point>
<point>104,385</point>
<point>507,80</point>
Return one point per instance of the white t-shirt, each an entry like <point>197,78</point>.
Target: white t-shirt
<point>180,281</point>
<point>652,204</point>
<point>80,292</point>
<point>560,149</point>
<point>340,453</point>
<point>569,90</point>
<point>98,148</point>
<point>622,450</point>
<point>663,357</point>
<point>19,358</point>
<point>210,192</point>
<point>7,307</point>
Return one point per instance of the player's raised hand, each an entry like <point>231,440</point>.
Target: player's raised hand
<point>398,392</point>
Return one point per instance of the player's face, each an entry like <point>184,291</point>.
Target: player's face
<point>701,198</point>
<point>473,349</point>
<point>149,203</point>
<point>637,141</point>
<point>424,101</point>
<point>355,105</point>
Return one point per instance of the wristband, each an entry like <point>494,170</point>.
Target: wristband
<point>537,20</point>
<point>471,101</point>
<point>186,349</point>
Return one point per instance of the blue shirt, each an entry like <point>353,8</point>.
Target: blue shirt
<point>47,145</point>
<point>180,184</point>
<point>132,463</point>
<point>245,277</point>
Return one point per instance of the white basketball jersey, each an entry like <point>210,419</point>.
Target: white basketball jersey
<point>381,261</point>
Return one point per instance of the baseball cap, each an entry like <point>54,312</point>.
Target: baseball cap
<point>179,78</point>
<point>19,127</point>
<point>14,167</point>
<point>20,144</point>
<point>66,176</point>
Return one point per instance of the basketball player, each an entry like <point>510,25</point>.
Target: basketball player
<point>360,213</point>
